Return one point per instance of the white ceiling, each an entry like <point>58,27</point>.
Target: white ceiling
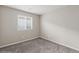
<point>37,9</point>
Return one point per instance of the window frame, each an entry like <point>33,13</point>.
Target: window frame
<point>28,24</point>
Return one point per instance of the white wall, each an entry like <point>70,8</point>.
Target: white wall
<point>0,26</point>
<point>62,26</point>
<point>8,26</point>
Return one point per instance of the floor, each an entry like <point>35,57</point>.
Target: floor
<point>38,45</point>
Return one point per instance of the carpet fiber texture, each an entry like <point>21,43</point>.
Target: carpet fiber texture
<point>38,45</point>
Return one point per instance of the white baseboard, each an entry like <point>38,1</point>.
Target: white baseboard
<point>60,43</point>
<point>17,42</point>
<point>35,38</point>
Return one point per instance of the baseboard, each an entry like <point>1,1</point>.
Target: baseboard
<point>35,38</point>
<point>61,44</point>
<point>17,42</point>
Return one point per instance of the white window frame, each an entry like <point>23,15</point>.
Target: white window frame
<point>24,24</point>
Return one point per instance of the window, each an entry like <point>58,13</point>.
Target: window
<point>24,22</point>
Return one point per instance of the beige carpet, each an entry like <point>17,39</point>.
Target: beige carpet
<point>37,46</point>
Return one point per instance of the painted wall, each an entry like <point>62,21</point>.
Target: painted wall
<point>62,26</point>
<point>8,26</point>
<point>0,26</point>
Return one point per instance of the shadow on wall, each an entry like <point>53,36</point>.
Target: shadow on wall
<point>62,26</point>
<point>66,17</point>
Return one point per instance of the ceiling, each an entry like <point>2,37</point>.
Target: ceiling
<point>37,9</point>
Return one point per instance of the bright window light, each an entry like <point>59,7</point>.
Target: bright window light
<point>24,23</point>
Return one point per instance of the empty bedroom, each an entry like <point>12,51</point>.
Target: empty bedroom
<point>39,28</point>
